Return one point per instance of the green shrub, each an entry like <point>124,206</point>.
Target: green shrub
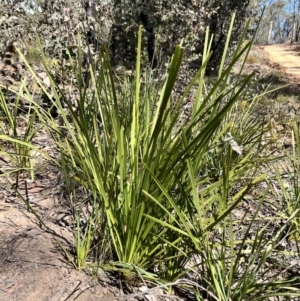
<point>162,192</point>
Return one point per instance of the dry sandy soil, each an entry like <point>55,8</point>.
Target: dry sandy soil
<point>288,59</point>
<point>32,265</point>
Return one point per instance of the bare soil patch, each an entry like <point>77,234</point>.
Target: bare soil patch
<point>32,264</point>
<point>287,58</point>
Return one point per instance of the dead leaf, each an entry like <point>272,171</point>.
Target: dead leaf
<point>47,82</point>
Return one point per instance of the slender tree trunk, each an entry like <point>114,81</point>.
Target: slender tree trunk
<point>294,30</point>
<point>90,15</point>
<point>151,39</point>
<point>270,33</point>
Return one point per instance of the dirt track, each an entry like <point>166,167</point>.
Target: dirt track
<point>287,57</point>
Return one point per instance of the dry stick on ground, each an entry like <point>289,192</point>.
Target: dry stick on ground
<point>65,289</point>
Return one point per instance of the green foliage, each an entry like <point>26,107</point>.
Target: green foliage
<point>19,143</point>
<point>115,23</point>
<point>163,186</point>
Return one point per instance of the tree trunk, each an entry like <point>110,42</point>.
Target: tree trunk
<point>270,32</point>
<point>90,15</point>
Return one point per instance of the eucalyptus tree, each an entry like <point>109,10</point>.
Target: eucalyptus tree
<point>167,22</point>
<point>114,23</point>
<point>295,4</point>
<point>280,21</point>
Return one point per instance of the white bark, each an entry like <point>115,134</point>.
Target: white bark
<point>270,32</point>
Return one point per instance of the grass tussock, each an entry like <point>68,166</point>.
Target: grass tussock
<point>164,187</point>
